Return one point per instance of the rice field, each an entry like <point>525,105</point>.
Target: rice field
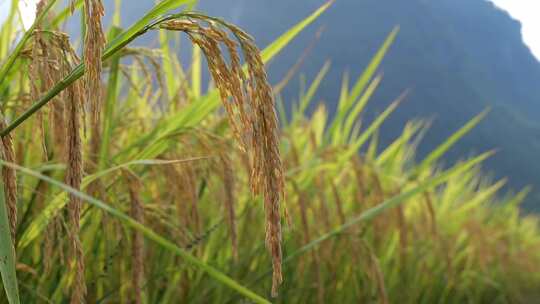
<point>126,179</point>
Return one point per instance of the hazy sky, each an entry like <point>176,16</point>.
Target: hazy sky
<point>527,11</point>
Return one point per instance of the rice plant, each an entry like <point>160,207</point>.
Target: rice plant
<point>125,182</point>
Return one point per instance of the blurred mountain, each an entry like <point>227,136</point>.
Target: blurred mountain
<point>457,56</point>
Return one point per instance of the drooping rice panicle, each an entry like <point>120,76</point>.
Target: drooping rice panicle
<point>9,179</point>
<point>74,179</point>
<point>251,114</point>
<point>74,172</point>
<point>94,42</point>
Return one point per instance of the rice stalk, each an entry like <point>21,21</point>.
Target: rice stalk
<point>359,173</point>
<point>323,203</point>
<point>339,203</point>
<point>58,42</point>
<point>375,272</point>
<point>39,71</point>
<point>43,8</point>
<point>403,239</point>
<point>229,199</point>
<point>9,178</point>
<point>181,201</point>
<point>137,246</point>
<point>377,196</point>
<point>251,114</point>
<point>73,179</point>
<point>51,58</point>
<point>431,212</point>
<point>94,43</point>
<point>74,174</point>
<point>140,55</point>
<point>302,205</point>
<point>188,178</point>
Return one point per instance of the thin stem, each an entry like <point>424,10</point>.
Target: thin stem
<point>75,74</point>
<point>11,59</point>
<point>114,47</point>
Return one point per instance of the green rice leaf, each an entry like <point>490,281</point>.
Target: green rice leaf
<point>441,149</point>
<point>7,254</point>
<point>275,47</point>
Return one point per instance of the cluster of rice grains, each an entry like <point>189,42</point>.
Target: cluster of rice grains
<point>94,42</point>
<point>52,59</point>
<point>250,107</point>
